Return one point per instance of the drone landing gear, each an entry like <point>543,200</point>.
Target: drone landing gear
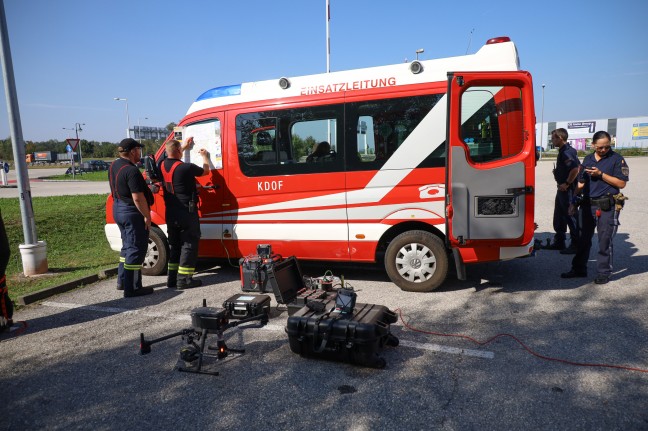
<point>205,320</point>
<point>193,355</point>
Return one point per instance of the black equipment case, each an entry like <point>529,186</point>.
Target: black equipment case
<point>285,279</point>
<point>356,338</point>
<point>306,296</point>
<point>254,272</point>
<point>241,306</point>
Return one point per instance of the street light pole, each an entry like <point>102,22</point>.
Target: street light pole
<point>419,51</point>
<point>77,129</point>
<point>33,252</point>
<point>542,119</point>
<point>72,153</point>
<point>139,128</point>
<point>123,99</point>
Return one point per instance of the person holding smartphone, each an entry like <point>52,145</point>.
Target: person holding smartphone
<point>605,173</point>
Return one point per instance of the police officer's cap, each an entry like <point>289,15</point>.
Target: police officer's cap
<point>128,144</point>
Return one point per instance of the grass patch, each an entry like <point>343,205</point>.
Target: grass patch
<point>72,226</point>
<point>87,176</point>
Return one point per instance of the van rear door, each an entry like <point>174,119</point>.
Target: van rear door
<point>490,159</point>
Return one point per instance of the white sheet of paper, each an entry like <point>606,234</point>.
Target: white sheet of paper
<point>206,135</point>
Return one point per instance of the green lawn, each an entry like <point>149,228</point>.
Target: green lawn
<point>87,176</point>
<point>72,226</point>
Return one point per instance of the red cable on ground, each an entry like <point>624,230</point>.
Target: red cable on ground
<point>547,358</point>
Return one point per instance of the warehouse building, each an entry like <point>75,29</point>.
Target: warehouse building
<point>630,132</point>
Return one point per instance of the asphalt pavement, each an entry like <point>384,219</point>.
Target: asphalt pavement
<point>77,364</point>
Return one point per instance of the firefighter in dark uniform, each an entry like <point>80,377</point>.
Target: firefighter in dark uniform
<point>565,172</point>
<point>131,211</point>
<point>6,306</point>
<point>605,173</point>
<point>183,225</point>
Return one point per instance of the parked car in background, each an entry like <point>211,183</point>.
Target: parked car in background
<point>96,165</point>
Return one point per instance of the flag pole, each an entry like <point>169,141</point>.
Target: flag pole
<point>328,37</point>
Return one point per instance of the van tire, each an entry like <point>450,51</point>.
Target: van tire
<point>156,259</point>
<point>417,261</point>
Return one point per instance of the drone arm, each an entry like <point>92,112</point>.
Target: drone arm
<point>145,346</point>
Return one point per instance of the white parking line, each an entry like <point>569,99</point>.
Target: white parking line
<point>445,349</point>
<point>113,310</point>
<point>406,343</point>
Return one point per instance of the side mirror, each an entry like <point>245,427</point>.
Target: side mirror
<point>151,169</point>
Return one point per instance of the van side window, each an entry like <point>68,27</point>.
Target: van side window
<point>290,141</point>
<point>492,123</point>
<point>377,128</point>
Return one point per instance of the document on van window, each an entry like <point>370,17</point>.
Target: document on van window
<point>206,135</point>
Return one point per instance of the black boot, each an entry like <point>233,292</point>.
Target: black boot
<point>556,245</point>
<point>138,292</point>
<point>6,306</point>
<point>187,282</point>
<point>570,250</point>
<point>172,278</point>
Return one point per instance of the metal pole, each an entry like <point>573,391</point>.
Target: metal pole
<point>328,60</point>
<point>127,120</point>
<point>542,120</point>
<point>124,99</point>
<point>17,142</point>
<point>328,39</point>
<point>77,129</point>
<point>139,128</point>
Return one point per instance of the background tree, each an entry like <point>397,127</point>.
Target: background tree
<point>6,152</point>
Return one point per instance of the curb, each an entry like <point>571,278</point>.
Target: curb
<point>70,285</point>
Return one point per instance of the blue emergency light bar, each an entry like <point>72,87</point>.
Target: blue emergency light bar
<point>227,90</point>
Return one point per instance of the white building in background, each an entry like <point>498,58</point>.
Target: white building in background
<point>630,132</point>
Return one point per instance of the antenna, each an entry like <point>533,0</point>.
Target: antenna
<point>469,40</point>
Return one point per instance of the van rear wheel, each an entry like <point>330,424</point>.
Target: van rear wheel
<point>417,261</point>
<point>156,259</point>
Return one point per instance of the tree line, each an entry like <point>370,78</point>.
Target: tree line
<point>89,149</point>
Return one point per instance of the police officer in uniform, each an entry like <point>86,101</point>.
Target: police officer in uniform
<point>183,225</point>
<point>565,172</point>
<point>131,211</point>
<point>605,174</point>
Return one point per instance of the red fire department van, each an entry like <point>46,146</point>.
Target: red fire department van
<point>411,165</point>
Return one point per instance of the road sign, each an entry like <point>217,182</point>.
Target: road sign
<point>73,142</point>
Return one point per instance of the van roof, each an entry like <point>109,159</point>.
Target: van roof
<point>498,54</point>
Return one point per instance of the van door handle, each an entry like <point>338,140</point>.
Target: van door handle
<point>520,190</point>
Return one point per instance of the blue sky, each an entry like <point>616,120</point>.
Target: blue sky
<point>73,57</point>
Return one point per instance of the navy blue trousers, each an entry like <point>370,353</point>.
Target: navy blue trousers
<point>562,220</point>
<point>606,225</point>
<point>134,244</point>
<point>183,229</point>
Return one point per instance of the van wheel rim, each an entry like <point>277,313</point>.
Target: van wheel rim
<point>152,255</point>
<point>415,263</point>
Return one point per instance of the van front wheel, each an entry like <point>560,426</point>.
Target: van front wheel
<point>417,261</point>
<point>155,261</point>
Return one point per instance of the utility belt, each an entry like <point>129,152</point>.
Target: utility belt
<point>604,203</point>
<point>173,202</point>
<point>607,202</point>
